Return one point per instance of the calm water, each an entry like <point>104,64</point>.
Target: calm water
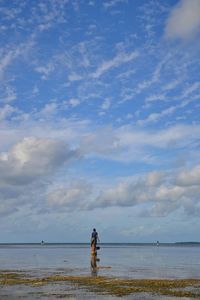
<point>135,261</point>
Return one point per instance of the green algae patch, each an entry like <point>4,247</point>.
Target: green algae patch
<point>112,286</point>
<point>9,275</point>
<point>19,278</point>
<point>123,287</point>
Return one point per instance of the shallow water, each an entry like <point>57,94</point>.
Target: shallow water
<point>135,261</point>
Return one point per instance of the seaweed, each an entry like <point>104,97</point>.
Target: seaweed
<point>111,285</point>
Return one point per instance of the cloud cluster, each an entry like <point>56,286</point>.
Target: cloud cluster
<point>189,177</point>
<point>25,165</point>
<point>6,111</point>
<point>42,16</point>
<point>73,196</point>
<point>163,192</point>
<point>128,143</point>
<point>32,158</point>
<point>157,193</point>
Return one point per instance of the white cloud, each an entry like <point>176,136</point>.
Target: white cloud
<point>46,70</point>
<point>9,95</point>
<point>7,111</point>
<point>119,59</point>
<point>106,104</point>
<point>154,78</point>
<point>51,14</point>
<point>163,192</point>
<point>123,143</point>
<point>155,97</point>
<point>157,116</point>
<point>72,196</point>
<point>26,170</point>
<point>50,108</point>
<point>127,143</point>
<point>184,20</point>
<point>102,142</point>
<point>142,145</point>
<point>7,57</point>
<point>113,3</point>
<point>32,158</point>
<point>189,177</point>
<point>74,77</point>
<point>190,89</point>
<point>123,194</point>
<point>155,178</point>
<point>126,75</point>
<point>74,102</point>
<point>171,85</point>
<point>147,83</point>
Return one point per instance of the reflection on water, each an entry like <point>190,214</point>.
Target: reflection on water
<point>94,266</point>
<point>131,261</point>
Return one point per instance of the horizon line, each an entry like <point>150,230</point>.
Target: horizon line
<point>86,243</point>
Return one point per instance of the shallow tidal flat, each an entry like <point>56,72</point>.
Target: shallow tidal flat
<point>19,285</point>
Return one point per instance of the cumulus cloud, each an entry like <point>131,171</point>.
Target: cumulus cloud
<point>72,196</point>
<point>32,158</point>
<point>184,20</point>
<point>189,177</point>
<point>26,170</point>
<point>155,178</point>
<point>162,192</point>
<point>123,194</point>
<point>159,192</point>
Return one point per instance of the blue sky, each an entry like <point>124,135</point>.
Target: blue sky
<point>99,120</point>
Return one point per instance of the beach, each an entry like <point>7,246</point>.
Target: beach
<point>128,271</point>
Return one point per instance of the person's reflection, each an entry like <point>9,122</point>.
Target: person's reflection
<point>94,267</point>
<point>94,259</point>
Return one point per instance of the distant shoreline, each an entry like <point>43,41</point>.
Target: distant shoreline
<point>102,244</point>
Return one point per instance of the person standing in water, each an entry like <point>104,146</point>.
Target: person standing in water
<point>95,237</point>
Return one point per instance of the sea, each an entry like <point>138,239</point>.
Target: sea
<point>175,261</point>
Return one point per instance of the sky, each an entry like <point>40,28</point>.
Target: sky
<point>99,120</point>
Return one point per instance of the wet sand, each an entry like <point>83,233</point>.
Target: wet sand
<point>26,285</point>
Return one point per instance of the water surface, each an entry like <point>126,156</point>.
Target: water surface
<point>123,260</point>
